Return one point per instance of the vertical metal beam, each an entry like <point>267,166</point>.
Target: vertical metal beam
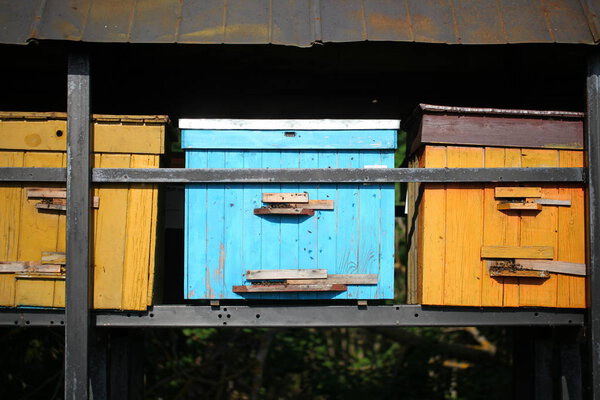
<point>593,215</point>
<point>78,228</point>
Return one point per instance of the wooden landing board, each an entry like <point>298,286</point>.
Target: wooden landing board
<point>521,273</point>
<point>28,266</point>
<point>43,193</point>
<point>517,252</point>
<point>519,206</point>
<point>559,267</point>
<point>50,257</point>
<point>289,288</point>
<point>281,274</point>
<point>285,197</point>
<point>283,211</point>
<point>342,279</point>
<point>511,192</point>
<point>553,202</point>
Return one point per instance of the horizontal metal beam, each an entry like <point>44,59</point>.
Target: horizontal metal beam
<point>310,175</point>
<point>305,316</point>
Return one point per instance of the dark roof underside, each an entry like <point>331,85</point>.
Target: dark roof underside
<point>301,22</point>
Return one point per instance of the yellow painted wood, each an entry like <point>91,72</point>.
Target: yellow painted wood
<point>10,211</point>
<point>59,293</point>
<point>36,291</point>
<point>571,236</point>
<point>512,235</point>
<point>543,252</point>
<point>38,229</point>
<point>432,245</point>
<point>40,135</point>
<point>7,290</point>
<point>540,229</point>
<point>464,231</point>
<point>110,231</point>
<point>153,256</point>
<point>495,226</point>
<point>512,191</point>
<point>137,244</point>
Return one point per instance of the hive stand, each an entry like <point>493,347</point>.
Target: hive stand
<point>86,333</point>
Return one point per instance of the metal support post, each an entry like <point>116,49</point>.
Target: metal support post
<point>78,228</point>
<point>593,159</point>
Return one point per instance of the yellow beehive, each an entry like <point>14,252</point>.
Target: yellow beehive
<point>453,225</point>
<point>124,223</point>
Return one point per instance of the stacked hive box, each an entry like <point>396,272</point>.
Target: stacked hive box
<point>451,224</point>
<point>124,224</point>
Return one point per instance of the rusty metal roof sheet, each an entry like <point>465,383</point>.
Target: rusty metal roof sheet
<point>301,22</point>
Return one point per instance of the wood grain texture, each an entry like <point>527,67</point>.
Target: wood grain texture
<point>277,274</point>
<point>289,288</point>
<point>540,229</point>
<point>283,211</point>
<point>315,205</point>
<point>544,252</point>
<point>560,267</point>
<point>344,279</point>
<point>285,197</point>
<point>519,206</point>
<point>512,191</point>
<point>572,238</point>
<point>464,232</point>
<point>496,225</point>
<point>49,257</point>
<point>432,246</point>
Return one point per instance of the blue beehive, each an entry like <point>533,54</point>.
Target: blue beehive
<point>229,230</point>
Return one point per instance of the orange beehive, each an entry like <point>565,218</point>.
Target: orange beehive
<point>456,230</point>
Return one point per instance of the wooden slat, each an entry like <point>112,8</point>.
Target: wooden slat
<point>57,193</point>
<point>519,206</point>
<point>137,244</point>
<point>512,236</point>
<point>517,252</point>
<point>50,257</point>
<point>519,273</point>
<point>496,226</point>
<point>289,288</point>
<point>315,205</point>
<point>283,211</point>
<point>343,279</point>
<point>264,274</point>
<point>285,197</point>
<point>511,192</point>
<point>28,266</point>
<point>61,204</point>
<point>553,202</point>
<point>559,267</point>
<point>571,290</point>
<point>464,232</point>
<point>540,229</point>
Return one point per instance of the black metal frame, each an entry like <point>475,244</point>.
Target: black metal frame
<point>80,322</point>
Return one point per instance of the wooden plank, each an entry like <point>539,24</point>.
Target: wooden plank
<point>315,205</point>
<point>137,244</point>
<point>387,248</point>
<point>511,191</point>
<point>277,274</point>
<point>327,229</point>
<point>38,231</point>
<point>512,235</point>
<point>156,266</point>
<point>501,131</point>
<point>571,290</point>
<point>28,266</point>
<point>233,197</point>
<point>57,193</point>
<point>519,206</point>
<point>559,267</point>
<point>110,237</point>
<point>7,290</point>
<point>496,225</point>
<point>517,252</point>
<point>432,233</point>
<point>464,236</point>
<point>540,229</point>
<point>50,257</point>
<point>289,288</point>
<point>344,279</point>
<point>285,197</point>
<point>283,211</point>
<point>553,202</point>
<point>519,273</point>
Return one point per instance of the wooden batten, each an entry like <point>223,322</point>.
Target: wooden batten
<point>283,211</point>
<point>524,206</point>
<point>281,274</point>
<point>510,192</point>
<point>290,288</point>
<point>285,197</point>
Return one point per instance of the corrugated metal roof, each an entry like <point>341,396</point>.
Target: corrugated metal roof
<point>301,22</point>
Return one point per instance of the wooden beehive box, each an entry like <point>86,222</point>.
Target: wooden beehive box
<point>124,221</point>
<point>456,229</point>
<point>338,237</point>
